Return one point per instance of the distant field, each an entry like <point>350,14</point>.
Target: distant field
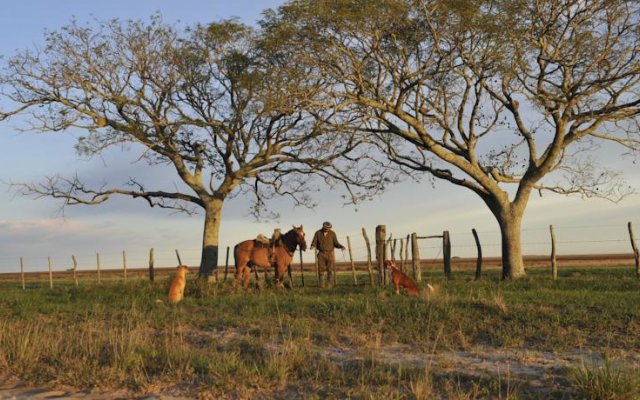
<point>534,338</point>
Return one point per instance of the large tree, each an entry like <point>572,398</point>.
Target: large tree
<point>499,97</point>
<point>210,102</point>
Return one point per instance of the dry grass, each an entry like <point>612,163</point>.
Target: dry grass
<point>606,380</point>
<point>348,342</point>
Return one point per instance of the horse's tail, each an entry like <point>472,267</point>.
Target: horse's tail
<point>235,256</point>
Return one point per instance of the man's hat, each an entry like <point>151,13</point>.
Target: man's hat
<point>326,225</point>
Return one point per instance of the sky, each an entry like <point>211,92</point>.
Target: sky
<point>37,230</point>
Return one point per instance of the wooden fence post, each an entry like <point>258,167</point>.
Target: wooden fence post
<point>315,263</point>
<point>301,267</point>
<point>636,254</point>
<point>381,234</point>
<point>152,261</point>
<point>387,255</point>
<point>226,265</point>
<point>50,274</point>
<point>415,255</point>
<point>401,254</point>
<point>335,270</point>
<point>98,267</point>
<point>406,250</point>
<point>479,260</point>
<point>392,247</point>
<point>446,252</point>
<point>75,269</point>
<point>554,264</point>
<point>124,265</point>
<point>353,265</point>
<point>22,273</point>
<point>368,244</point>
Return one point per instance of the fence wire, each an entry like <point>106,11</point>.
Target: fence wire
<point>594,239</point>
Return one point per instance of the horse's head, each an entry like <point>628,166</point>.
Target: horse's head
<point>300,237</point>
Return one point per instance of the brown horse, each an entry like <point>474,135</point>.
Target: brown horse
<point>252,253</point>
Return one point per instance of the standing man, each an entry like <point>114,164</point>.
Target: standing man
<point>325,240</point>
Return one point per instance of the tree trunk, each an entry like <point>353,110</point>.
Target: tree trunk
<point>510,229</point>
<point>210,238</point>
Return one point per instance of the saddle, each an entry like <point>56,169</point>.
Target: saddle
<point>263,242</point>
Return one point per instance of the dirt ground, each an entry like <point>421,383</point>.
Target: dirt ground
<point>537,372</point>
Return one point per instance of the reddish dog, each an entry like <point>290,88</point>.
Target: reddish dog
<point>176,290</point>
<point>401,279</point>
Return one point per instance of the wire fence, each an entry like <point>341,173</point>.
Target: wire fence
<point>573,239</point>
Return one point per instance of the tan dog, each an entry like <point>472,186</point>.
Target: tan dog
<point>400,279</point>
<point>176,290</point>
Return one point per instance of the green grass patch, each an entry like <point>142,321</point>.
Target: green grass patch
<point>331,342</point>
<point>605,381</point>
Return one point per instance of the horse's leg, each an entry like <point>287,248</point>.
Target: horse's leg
<point>280,267</point>
<point>290,275</point>
<point>287,269</point>
<point>238,277</point>
<point>260,280</point>
<point>247,275</point>
<point>239,271</point>
<point>239,264</point>
<point>242,271</point>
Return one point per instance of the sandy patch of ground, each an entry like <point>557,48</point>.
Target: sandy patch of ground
<point>539,369</point>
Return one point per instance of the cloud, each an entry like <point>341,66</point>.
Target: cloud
<point>44,227</point>
<point>37,239</point>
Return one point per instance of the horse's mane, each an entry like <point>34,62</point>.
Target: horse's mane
<point>289,239</point>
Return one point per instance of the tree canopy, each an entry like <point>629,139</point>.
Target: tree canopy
<point>502,98</point>
<point>210,101</point>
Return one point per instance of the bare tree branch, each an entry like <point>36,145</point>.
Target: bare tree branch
<point>215,102</point>
<point>490,95</point>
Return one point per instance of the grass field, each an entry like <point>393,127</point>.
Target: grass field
<point>577,337</point>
